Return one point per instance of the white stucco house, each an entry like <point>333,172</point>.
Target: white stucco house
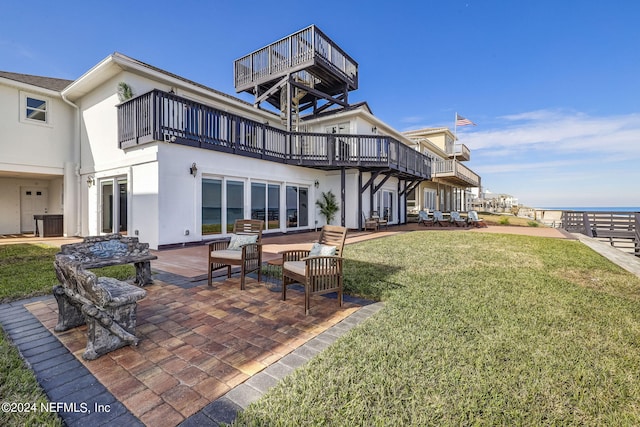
<point>178,162</point>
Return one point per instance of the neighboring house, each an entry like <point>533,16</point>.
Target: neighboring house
<point>179,162</point>
<point>37,151</point>
<point>492,202</point>
<point>449,188</point>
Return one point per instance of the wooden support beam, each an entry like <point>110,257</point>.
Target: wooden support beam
<point>271,91</point>
<point>374,175</point>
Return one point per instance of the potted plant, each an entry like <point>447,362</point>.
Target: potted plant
<point>328,206</point>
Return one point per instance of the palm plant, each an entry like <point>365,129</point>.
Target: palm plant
<point>125,91</point>
<point>328,206</point>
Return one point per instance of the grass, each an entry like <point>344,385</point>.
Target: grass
<point>477,329</point>
<point>27,270</point>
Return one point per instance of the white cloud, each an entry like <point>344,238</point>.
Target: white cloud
<point>559,132</point>
<point>561,158</point>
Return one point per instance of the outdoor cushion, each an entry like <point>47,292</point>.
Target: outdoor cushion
<point>239,240</point>
<point>228,254</point>
<point>297,267</point>
<point>319,249</point>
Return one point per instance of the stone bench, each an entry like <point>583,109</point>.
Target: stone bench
<point>113,249</point>
<point>107,305</point>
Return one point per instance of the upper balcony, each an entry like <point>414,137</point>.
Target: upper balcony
<point>161,116</point>
<point>307,52</point>
<point>460,152</point>
<point>452,172</point>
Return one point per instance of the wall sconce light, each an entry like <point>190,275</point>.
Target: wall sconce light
<point>90,181</point>
<point>374,129</point>
<point>316,183</point>
<point>193,170</point>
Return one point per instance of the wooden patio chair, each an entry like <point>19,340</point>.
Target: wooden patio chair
<point>319,270</point>
<point>369,223</point>
<point>472,219</point>
<point>243,249</point>
<point>457,219</point>
<point>381,221</point>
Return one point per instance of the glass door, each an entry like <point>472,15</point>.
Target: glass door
<point>114,207</point>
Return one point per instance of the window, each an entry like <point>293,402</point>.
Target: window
<point>211,206</point>
<point>235,203</point>
<point>265,204</point>
<point>114,206</point>
<point>34,109</point>
<point>430,199</point>
<point>297,206</point>
<point>222,204</point>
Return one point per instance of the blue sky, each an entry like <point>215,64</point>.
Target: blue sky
<point>554,86</point>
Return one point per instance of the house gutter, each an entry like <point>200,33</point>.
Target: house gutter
<point>78,157</point>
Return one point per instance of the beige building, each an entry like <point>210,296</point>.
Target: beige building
<point>451,180</point>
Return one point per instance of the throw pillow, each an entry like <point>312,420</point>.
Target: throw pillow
<point>322,250</point>
<point>239,240</point>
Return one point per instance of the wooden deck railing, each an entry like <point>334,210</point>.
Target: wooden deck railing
<point>161,116</point>
<point>293,53</point>
<point>620,229</point>
<point>453,168</point>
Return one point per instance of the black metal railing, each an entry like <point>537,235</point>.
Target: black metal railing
<point>162,116</point>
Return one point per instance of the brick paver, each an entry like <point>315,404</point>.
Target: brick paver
<point>203,355</point>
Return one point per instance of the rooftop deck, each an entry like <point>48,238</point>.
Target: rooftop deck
<point>308,52</point>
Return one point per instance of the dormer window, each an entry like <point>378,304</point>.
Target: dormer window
<point>35,108</point>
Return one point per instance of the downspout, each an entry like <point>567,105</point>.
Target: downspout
<point>78,157</point>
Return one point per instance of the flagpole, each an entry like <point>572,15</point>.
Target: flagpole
<point>455,126</point>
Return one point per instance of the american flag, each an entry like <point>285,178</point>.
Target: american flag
<point>461,121</point>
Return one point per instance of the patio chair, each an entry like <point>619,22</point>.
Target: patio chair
<point>425,219</point>
<point>438,218</point>
<point>319,270</point>
<point>369,223</point>
<point>381,221</point>
<point>472,219</point>
<point>244,249</point>
<point>457,219</point>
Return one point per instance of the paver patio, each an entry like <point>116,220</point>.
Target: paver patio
<point>205,353</point>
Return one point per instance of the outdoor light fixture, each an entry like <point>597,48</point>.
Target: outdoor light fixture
<point>316,183</point>
<point>374,129</point>
<point>193,170</point>
<point>90,181</point>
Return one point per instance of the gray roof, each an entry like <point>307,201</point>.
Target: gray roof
<point>43,82</point>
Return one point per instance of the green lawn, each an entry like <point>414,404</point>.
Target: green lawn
<point>477,329</point>
<point>27,270</point>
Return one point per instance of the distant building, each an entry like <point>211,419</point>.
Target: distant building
<point>487,201</point>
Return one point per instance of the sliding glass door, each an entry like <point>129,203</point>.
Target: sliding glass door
<point>297,206</point>
<point>114,205</point>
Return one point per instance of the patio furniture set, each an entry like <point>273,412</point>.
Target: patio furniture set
<point>108,306</point>
<point>438,218</point>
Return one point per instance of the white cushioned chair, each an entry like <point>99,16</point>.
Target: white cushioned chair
<point>319,269</point>
<point>243,249</point>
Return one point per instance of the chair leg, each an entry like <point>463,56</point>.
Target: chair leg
<point>242,276</point>
<point>284,287</point>
<point>307,300</point>
<point>209,276</point>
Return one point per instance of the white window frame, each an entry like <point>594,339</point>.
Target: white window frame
<point>47,110</point>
